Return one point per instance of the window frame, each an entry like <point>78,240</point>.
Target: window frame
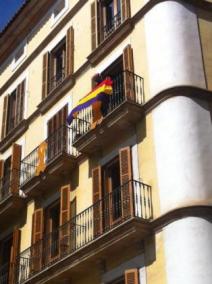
<point>16,63</point>
<point>11,98</point>
<point>55,18</point>
<point>53,72</point>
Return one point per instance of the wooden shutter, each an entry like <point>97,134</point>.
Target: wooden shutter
<point>126,181</point>
<point>49,240</point>
<point>15,169</point>
<point>4,117</point>
<point>57,133</point>
<point>37,236</point>
<point>125,9</point>
<point>45,83</point>
<point>13,255</point>
<point>131,276</point>
<point>70,51</point>
<point>65,230</point>
<point>1,177</point>
<point>73,223</point>
<point>93,25</point>
<point>97,203</point>
<point>19,103</point>
<point>129,83</point>
<point>1,169</point>
<point>100,22</point>
<point>37,226</point>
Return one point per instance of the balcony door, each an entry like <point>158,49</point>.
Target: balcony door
<point>111,16</point>
<point>57,64</point>
<point>115,72</point>
<point>52,232</point>
<point>112,193</point>
<point>6,246</point>
<point>57,133</point>
<point>6,178</point>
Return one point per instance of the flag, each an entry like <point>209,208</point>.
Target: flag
<point>99,93</point>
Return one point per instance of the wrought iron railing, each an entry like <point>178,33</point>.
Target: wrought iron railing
<point>14,121</point>
<point>4,273</point>
<point>5,187</point>
<point>127,86</point>
<point>9,184</point>
<point>56,144</point>
<point>56,80</point>
<point>133,199</point>
<point>112,25</point>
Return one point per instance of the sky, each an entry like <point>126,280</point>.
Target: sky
<point>7,9</point>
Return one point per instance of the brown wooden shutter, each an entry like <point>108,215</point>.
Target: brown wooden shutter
<point>65,230</point>
<point>125,9</point>
<point>15,169</point>
<point>4,117</point>
<point>100,22</point>
<point>1,169</point>
<point>37,236</point>
<point>57,134</point>
<point>19,103</point>
<point>37,227</point>
<point>126,181</point>
<point>97,203</point>
<point>93,25</point>
<point>1,176</point>
<point>49,239</point>
<point>131,276</point>
<point>13,255</point>
<point>70,51</point>
<point>73,223</point>
<point>45,84</point>
<point>128,63</point>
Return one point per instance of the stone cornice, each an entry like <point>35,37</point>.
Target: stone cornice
<point>201,211</point>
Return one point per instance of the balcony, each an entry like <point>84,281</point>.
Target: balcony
<point>99,232</point>
<point>4,273</point>
<point>112,25</point>
<point>10,201</point>
<point>118,117</point>
<point>56,80</point>
<point>47,164</point>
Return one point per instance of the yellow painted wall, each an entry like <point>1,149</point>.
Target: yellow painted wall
<point>205,27</point>
<point>81,179</point>
<point>26,229</point>
<point>147,161</point>
<point>155,259</point>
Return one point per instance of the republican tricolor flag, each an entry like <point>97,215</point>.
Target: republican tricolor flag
<point>99,93</point>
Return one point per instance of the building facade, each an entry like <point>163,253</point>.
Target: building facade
<point>122,194</point>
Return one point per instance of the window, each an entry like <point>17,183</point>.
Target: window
<point>57,133</point>
<point>106,17</point>
<point>57,65</point>
<point>19,55</point>
<point>13,109</point>
<point>59,9</point>
<point>5,255</point>
<point>118,281</point>
<point>52,224</point>
<point>111,16</point>
<point>6,245</point>
<point>6,178</point>
<point>115,72</point>
<point>112,183</point>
